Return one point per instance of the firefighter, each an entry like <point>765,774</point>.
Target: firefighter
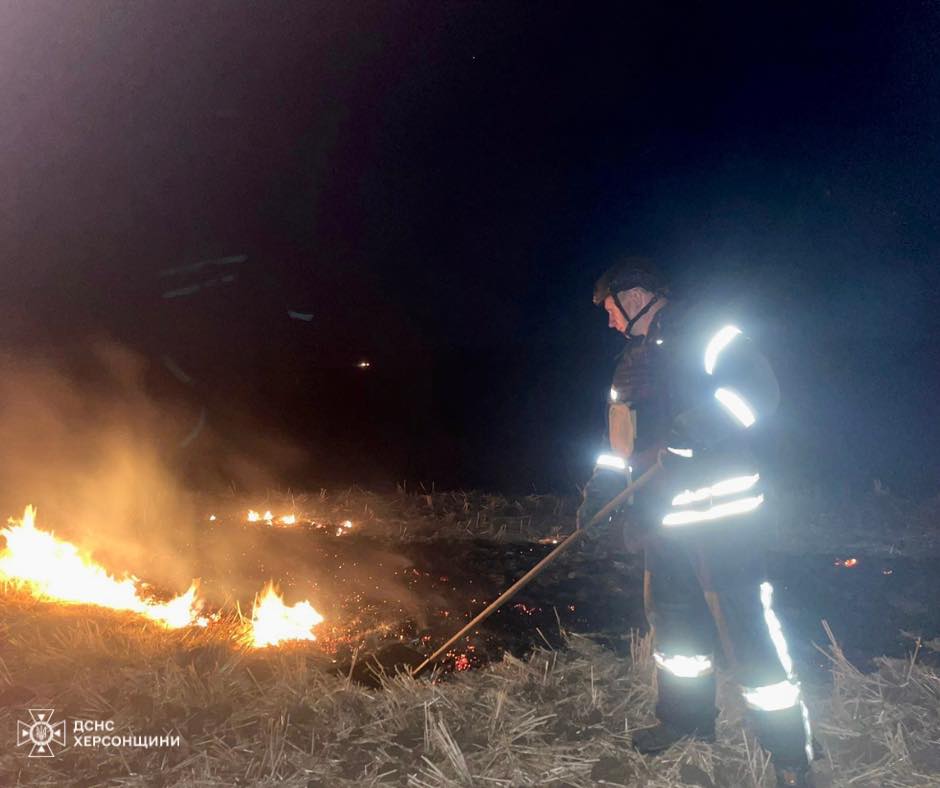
<point>689,391</point>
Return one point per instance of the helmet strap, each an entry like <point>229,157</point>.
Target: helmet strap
<point>631,321</point>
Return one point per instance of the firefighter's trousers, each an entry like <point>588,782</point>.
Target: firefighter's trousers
<point>705,590</point>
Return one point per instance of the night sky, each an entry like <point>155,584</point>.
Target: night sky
<point>438,185</point>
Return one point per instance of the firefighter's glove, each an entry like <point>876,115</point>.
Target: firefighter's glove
<point>599,491</point>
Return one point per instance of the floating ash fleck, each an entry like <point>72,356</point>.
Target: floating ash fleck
<point>51,568</point>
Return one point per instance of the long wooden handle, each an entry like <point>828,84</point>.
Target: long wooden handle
<point>603,514</point>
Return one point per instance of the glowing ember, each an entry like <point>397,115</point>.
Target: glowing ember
<point>52,568</point>
<point>273,622</point>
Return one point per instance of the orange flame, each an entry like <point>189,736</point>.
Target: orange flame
<point>53,568</point>
<point>254,517</point>
<point>273,622</point>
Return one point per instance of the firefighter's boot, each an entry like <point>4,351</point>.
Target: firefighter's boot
<point>794,777</point>
<point>686,707</point>
<point>785,734</point>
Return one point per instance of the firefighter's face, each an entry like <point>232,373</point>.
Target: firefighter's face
<point>615,318</point>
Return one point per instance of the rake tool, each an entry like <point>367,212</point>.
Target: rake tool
<point>510,592</point>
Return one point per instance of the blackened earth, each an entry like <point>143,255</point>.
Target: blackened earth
<point>390,604</point>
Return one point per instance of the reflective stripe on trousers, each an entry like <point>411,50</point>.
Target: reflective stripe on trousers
<point>784,694</point>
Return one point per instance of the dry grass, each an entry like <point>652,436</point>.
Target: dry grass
<point>411,515</point>
<point>846,522</point>
<point>283,717</point>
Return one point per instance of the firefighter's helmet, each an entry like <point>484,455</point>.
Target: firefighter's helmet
<point>627,274</point>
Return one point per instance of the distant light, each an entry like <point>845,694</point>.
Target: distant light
<point>211,517</point>
<point>659,341</point>
<point>718,343</point>
<point>736,405</point>
<point>687,453</point>
<point>613,394</point>
<point>364,364</point>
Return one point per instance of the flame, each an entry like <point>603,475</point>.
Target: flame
<point>53,568</point>
<point>289,519</point>
<point>273,622</point>
<point>253,516</point>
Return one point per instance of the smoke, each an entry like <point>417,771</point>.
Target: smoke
<point>108,465</point>
<point>102,459</point>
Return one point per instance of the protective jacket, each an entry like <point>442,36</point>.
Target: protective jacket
<point>695,384</point>
<point>697,387</point>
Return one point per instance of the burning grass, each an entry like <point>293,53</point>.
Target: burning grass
<point>284,716</point>
<point>834,521</point>
<point>56,571</point>
<point>403,515</point>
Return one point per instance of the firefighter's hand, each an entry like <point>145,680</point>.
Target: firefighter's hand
<point>600,490</point>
